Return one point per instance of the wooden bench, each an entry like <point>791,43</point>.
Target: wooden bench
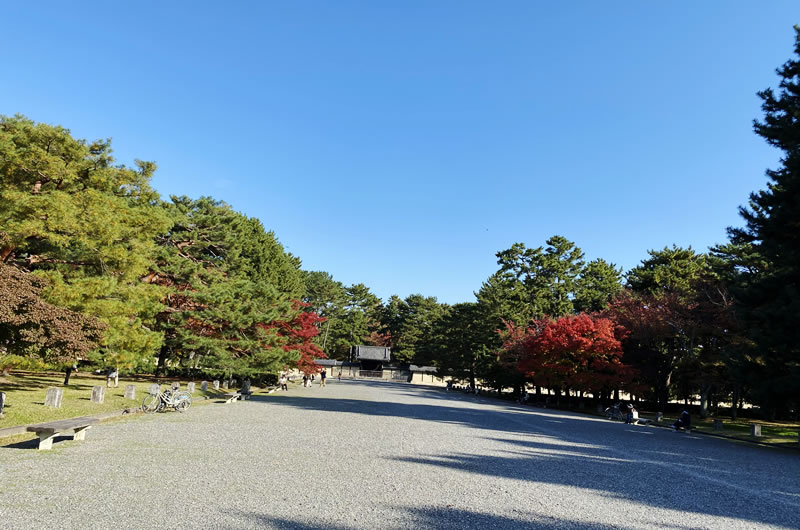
<point>48,431</point>
<point>232,397</point>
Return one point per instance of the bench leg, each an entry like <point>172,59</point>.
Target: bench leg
<point>46,440</point>
<point>80,434</point>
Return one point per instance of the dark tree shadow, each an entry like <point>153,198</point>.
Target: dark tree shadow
<point>679,472</point>
<point>433,518</point>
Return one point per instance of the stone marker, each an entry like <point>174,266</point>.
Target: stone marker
<point>233,382</point>
<point>659,416</point>
<point>204,386</point>
<point>98,394</point>
<point>130,391</point>
<point>717,425</point>
<point>155,388</point>
<point>246,386</point>
<point>225,385</point>
<point>2,402</point>
<point>53,397</point>
<point>216,384</point>
<point>190,387</point>
<point>755,430</point>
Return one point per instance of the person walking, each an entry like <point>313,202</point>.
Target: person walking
<point>322,377</point>
<point>283,382</point>
<point>305,380</point>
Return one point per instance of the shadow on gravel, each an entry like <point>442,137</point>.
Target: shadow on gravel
<point>33,443</point>
<point>616,464</point>
<point>432,518</point>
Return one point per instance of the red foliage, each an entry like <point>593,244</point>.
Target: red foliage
<point>297,335</point>
<point>582,352</point>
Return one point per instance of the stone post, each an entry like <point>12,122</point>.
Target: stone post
<point>216,384</point>
<point>225,384</point>
<point>204,386</point>
<point>155,388</point>
<point>755,430</point>
<point>130,391</point>
<point>2,402</point>
<point>190,387</point>
<point>717,425</point>
<point>53,397</point>
<point>98,394</point>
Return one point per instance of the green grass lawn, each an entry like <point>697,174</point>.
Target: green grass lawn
<point>782,433</point>
<point>25,394</point>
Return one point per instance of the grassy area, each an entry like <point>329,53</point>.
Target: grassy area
<point>776,432</point>
<point>25,396</point>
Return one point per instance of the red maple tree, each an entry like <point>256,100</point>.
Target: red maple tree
<point>297,334</point>
<point>580,352</point>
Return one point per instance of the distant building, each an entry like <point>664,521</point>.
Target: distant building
<point>372,359</point>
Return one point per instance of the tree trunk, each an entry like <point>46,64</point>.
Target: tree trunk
<point>162,360</point>
<point>735,404</point>
<point>5,252</point>
<point>705,390</point>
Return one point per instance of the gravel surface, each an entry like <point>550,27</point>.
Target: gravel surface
<point>384,455</point>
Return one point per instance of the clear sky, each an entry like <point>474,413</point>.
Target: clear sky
<point>402,144</point>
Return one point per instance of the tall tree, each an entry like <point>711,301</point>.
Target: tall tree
<point>69,213</point>
<point>228,281</point>
<point>659,311</point>
<point>409,324</point>
<point>770,297</point>
<point>461,344</point>
<point>599,282</point>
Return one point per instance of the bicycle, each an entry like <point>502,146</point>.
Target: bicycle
<point>170,398</point>
<point>614,413</point>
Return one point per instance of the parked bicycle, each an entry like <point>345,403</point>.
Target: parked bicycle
<point>614,413</point>
<point>180,400</point>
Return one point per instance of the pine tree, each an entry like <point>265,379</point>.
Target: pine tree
<point>769,294</point>
<point>69,213</point>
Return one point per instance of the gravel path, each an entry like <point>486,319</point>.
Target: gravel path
<point>384,455</point>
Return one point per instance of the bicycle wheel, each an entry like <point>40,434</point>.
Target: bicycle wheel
<point>182,405</point>
<point>184,396</point>
<point>151,403</point>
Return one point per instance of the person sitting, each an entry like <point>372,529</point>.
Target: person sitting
<point>683,422</point>
<point>633,415</point>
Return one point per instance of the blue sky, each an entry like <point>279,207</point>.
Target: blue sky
<point>402,144</point>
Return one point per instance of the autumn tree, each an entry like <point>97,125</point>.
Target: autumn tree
<point>574,352</point>
<point>29,326</point>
